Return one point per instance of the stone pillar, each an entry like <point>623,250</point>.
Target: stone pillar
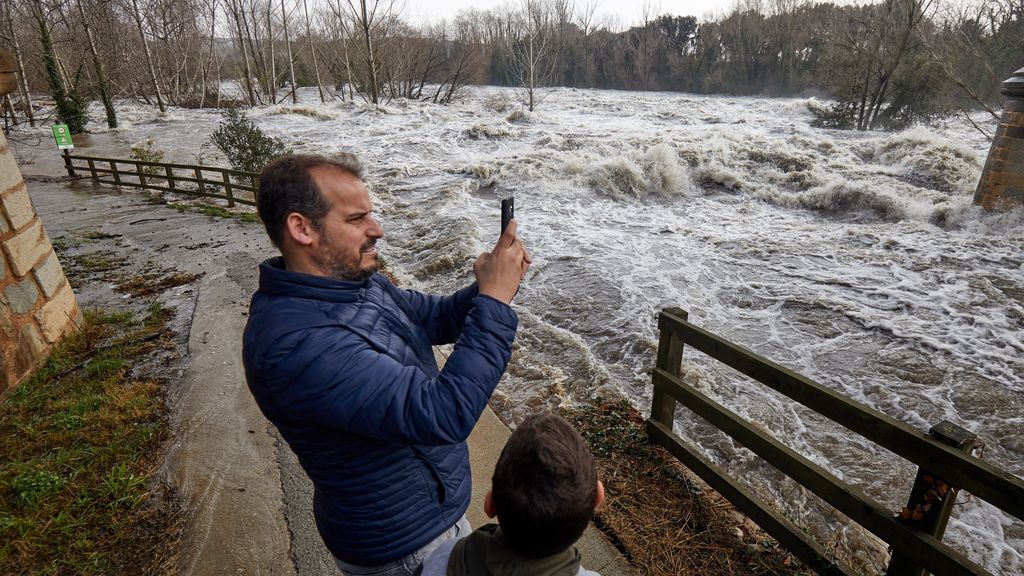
<point>37,305</point>
<point>1002,181</point>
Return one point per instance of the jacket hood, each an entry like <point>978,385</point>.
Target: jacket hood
<point>484,552</point>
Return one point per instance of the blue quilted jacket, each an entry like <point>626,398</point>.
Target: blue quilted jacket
<point>346,372</point>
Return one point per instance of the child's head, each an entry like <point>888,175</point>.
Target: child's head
<point>545,487</point>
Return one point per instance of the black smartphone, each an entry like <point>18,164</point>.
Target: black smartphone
<point>508,212</point>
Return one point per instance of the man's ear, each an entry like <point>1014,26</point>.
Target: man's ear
<point>489,504</point>
<point>600,495</point>
<point>300,229</point>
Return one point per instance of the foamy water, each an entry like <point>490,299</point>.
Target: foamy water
<point>856,259</point>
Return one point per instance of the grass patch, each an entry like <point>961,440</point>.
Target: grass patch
<point>97,262</point>
<point>216,212</point>
<point>79,444</point>
<point>154,283</point>
<point>664,522</point>
<point>64,243</point>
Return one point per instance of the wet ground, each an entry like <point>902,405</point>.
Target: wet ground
<point>247,503</point>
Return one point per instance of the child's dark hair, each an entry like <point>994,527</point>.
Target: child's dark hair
<point>544,487</point>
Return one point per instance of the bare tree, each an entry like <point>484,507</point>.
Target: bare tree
<point>312,52</point>
<point>101,77</point>
<point>342,55</point>
<point>149,56</point>
<point>365,21</point>
<point>271,74</point>
<point>587,25</point>
<point>963,50</point>
<point>291,60</point>
<point>211,60</point>
<point>373,20</point>
<point>237,15</point>
<point>7,18</point>
<point>530,50</point>
<point>879,43</point>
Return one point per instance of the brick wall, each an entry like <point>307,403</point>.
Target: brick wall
<point>37,305</point>
<point>1002,181</point>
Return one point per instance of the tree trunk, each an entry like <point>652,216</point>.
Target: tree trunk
<point>312,52</point>
<point>531,63</point>
<point>291,60</point>
<point>217,102</point>
<point>9,110</point>
<point>70,109</point>
<point>245,55</point>
<point>257,55</point>
<point>149,56</point>
<point>209,63</point>
<point>108,104</point>
<point>272,84</point>
<point>26,96</point>
<point>65,79</point>
<point>371,64</point>
<point>348,72</point>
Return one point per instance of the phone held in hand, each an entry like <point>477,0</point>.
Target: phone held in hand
<point>508,212</point>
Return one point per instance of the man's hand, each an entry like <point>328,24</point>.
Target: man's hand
<point>499,271</point>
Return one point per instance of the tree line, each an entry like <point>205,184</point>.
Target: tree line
<point>880,64</point>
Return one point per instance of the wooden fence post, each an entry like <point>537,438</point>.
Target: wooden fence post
<point>931,499</point>
<point>113,169</point>
<point>67,163</point>
<point>170,176</point>
<point>92,169</point>
<point>227,188</point>
<point>670,359</point>
<point>142,175</point>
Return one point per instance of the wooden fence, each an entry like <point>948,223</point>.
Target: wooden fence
<point>237,186</point>
<point>916,541</point>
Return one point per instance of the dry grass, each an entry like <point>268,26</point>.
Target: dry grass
<point>666,522</point>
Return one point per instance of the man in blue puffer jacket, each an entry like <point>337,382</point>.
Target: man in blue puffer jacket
<point>340,360</point>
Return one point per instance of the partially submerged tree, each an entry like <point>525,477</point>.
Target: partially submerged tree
<point>530,50</point>
<point>101,77</point>
<point>149,56</point>
<point>70,104</point>
<point>878,42</point>
<point>10,35</point>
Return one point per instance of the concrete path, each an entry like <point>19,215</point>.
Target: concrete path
<point>247,501</point>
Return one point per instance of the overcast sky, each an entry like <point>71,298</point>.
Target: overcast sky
<point>627,11</point>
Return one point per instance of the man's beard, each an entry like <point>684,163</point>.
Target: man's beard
<point>338,265</point>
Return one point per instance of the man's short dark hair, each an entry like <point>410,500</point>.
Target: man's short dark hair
<point>544,487</point>
<point>286,186</point>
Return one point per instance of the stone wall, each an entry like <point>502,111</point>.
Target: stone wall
<point>37,305</point>
<point>1002,180</point>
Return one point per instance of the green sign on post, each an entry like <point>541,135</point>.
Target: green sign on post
<point>63,136</point>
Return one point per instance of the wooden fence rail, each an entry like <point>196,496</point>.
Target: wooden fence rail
<point>238,186</point>
<point>944,457</point>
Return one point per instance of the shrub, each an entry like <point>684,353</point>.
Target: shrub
<point>835,115</point>
<point>148,152</point>
<point>499,102</point>
<point>244,144</point>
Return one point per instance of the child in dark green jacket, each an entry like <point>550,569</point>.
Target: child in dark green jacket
<point>544,492</point>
